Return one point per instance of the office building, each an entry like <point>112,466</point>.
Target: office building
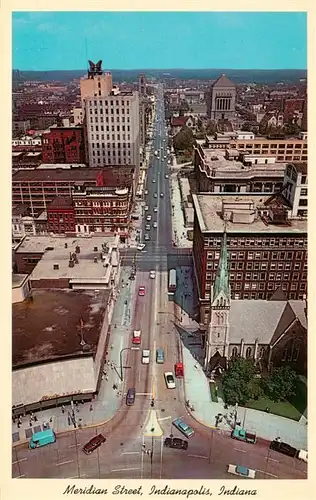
<point>222,99</point>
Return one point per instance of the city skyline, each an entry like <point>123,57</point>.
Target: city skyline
<point>45,41</point>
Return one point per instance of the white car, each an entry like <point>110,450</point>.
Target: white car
<point>146,191</point>
<point>154,180</point>
<point>161,195</point>
<point>141,246</point>
<point>155,195</point>
<point>146,238</point>
<point>148,217</point>
<point>239,470</point>
<point>146,356</point>
<point>170,382</point>
<point>155,224</point>
<point>166,176</point>
<point>146,208</point>
<point>303,455</point>
<point>137,333</point>
<point>147,227</point>
<point>152,274</point>
<point>155,209</point>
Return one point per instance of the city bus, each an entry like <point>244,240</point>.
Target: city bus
<point>172,281</point>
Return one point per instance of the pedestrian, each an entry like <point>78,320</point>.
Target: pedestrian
<point>63,408</point>
<point>109,362</point>
<point>111,346</point>
<point>51,419</point>
<point>114,387</point>
<point>20,420</point>
<point>30,423</point>
<point>19,424</point>
<point>69,421</point>
<point>91,408</point>
<point>35,418</point>
<point>106,378</point>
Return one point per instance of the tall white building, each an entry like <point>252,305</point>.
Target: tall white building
<point>113,130</point>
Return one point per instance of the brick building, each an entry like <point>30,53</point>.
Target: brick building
<point>64,145</point>
<point>267,250</point>
<point>38,188</point>
<point>61,215</point>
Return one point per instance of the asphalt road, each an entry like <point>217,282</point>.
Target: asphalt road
<point>127,434</point>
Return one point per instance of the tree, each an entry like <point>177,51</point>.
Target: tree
<point>280,385</point>
<point>184,140</point>
<point>211,127</point>
<point>239,382</point>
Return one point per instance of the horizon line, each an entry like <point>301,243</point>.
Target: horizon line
<point>172,69</point>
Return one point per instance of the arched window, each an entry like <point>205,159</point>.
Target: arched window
<point>284,354</point>
<point>261,352</point>
<point>234,352</point>
<point>248,352</point>
<point>221,303</point>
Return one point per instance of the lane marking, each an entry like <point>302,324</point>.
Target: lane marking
<point>237,449</point>
<point>130,453</point>
<point>272,459</point>
<point>144,394</point>
<point>164,418</point>
<point>73,445</point>
<point>63,463</point>
<point>20,460</point>
<point>198,456</point>
<point>268,473</point>
<point>122,470</point>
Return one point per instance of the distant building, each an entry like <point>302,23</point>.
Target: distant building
<point>296,190</point>
<point>64,145</point>
<point>222,99</point>
<point>61,216</point>
<point>181,121</point>
<point>267,250</point>
<point>142,85</point>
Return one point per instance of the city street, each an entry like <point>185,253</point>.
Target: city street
<point>141,428</point>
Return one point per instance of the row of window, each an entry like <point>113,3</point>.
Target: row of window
<point>121,161</point>
<point>298,255</point>
<point>111,102</point>
<point>114,137</point>
<point>262,276</point>
<point>257,242</point>
<point>279,146</point>
<point>292,295</point>
<point>118,128</point>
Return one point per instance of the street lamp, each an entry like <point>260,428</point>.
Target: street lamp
<point>121,362</point>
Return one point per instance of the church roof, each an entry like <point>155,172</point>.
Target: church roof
<point>223,81</point>
<point>258,319</point>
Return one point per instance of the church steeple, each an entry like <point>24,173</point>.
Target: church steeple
<point>221,283</point>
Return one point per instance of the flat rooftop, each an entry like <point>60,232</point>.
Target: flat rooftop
<point>48,327</point>
<point>18,279</point>
<point>54,252</point>
<point>208,208</point>
<point>225,166</point>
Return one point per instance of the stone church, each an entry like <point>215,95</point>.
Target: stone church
<point>272,332</point>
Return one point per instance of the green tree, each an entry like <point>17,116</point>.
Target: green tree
<point>280,385</point>
<point>184,140</point>
<point>239,382</point>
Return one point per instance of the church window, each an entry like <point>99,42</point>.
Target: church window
<point>234,352</point>
<point>261,352</point>
<point>296,352</point>
<point>221,301</point>
<point>284,354</point>
<point>248,352</point>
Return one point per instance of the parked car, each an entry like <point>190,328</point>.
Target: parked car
<point>147,227</point>
<point>155,195</point>
<point>93,444</point>
<point>155,225</point>
<point>288,450</point>
<point>152,274</point>
<point>161,195</point>
<point>183,427</point>
<point>239,470</point>
<point>166,176</point>
<point>146,356</point>
<point>170,382</point>
<point>155,209</point>
<point>130,396</point>
<point>146,208</point>
<point>179,444</point>
<point>146,237</point>
<point>153,181</point>
<point>242,435</point>
<point>148,217</point>
<point>141,246</point>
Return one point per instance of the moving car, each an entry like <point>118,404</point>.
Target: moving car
<point>166,176</point>
<point>93,444</point>
<point>155,195</point>
<point>130,396</point>
<point>146,356</point>
<point>155,209</point>
<point>152,274</point>
<point>146,208</point>
<point>141,246</point>
<point>42,438</point>
<point>146,191</point>
<point>147,227</point>
<point>155,224</point>
<point>142,291</point>
<point>161,195</point>
<point>170,382</point>
<point>146,237</point>
<point>239,470</point>
<point>243,435</point>
<point>148,217</point>
<point>183,427</point>
<point>153,181</point>
<point>179,444</point>
<point>160,356</point>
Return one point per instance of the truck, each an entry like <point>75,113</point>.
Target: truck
<point>42,438</point>
<point>243,435</point>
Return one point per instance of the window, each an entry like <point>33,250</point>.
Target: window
<point>302,202</point>
<point>248,352</point>
<point>234,352</point>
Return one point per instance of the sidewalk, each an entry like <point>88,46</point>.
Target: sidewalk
<point>179,230</point>
<point>108,401</point>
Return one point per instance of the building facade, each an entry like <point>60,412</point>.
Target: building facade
<point>61,216</point>
<point>64,145</point>
<point>287,150</point>
<point>296,190</point>
<point>267,251</point>
<point>222,99</point>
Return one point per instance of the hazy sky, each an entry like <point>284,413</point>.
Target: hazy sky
<point>136,40</point>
